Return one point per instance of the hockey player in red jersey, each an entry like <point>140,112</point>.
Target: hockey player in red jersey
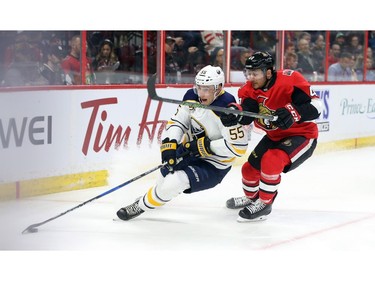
<point>289,140</point>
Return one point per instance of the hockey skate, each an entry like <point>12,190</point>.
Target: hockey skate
<point>256,211</point>
<point>130,212</point>
<point>238,202</point>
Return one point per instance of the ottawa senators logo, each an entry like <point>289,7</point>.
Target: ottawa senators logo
<point>287,142</point>
<point>265,123</point>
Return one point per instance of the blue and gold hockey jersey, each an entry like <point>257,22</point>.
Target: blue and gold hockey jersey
<point>188,123</point>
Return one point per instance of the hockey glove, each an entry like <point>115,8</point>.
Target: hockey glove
<point>249,105</point>
<point>168,153</point>
<point>231,119</point>
<point>286,116</point>
<point>199,147</point>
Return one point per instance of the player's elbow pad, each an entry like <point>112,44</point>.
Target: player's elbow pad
<point>309,111</point>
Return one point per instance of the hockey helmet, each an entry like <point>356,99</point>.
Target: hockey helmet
<point>210,75</point>
<point>259,60</point>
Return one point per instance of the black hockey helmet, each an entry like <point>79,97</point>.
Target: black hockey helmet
<point>259,60</point>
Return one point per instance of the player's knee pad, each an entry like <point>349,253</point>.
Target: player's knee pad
<point>249,173</point>
<point>274,161</point>
<point>172,185</point>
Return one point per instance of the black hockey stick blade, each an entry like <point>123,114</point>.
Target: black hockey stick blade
<point>33,228</point>
<point>154,96</point>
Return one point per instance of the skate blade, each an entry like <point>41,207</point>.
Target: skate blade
<point>261,218</point>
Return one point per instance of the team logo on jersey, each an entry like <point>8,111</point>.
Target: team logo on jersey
<point>266,124</point>
<point>288,72</point>
<point>197,129</point>
<point>287,142</point>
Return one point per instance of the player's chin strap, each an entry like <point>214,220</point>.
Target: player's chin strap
<point>154,96</point>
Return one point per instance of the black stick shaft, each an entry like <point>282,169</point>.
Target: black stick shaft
<point>154,96</point>
<point>33,226</point>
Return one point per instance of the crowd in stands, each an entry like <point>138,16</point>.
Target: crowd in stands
<point>29,58</point>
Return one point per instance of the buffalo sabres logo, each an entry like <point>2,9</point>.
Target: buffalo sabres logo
<point>197,129</point>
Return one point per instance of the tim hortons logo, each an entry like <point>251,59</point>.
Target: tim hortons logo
<point>106,135</point>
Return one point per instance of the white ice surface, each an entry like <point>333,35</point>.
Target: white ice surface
<point>323,218</point>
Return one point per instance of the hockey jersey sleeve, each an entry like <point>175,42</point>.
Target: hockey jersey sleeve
<point>178,124</point>
<point>233,143</point>
<point>305,100</point>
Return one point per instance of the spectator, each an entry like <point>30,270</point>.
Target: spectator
<point>106,59</point>
<point>290,48</point>
<point>71,64</point>
<point>172,69</point>
<point>341,40</point>
<point>22,61</point>
<point>265,41</point>
<point>189,52</point>
<point>212,39</point>
<point>371,39</point>
<point>334,53</point>
<point>291,62</point>
<point>239,63</point>
<point>22,50</point>
<point>217,57</point>
<point>51,69</point>
<point>305,35</point>
<point>341,70</point>
<point>318,53</point>
<point>105,63</point>
<point>305,59</point>
<point>354,46</point>
<point>370,72</point>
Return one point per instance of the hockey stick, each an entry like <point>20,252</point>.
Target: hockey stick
<point>154,96</point>
<point>33,228</point>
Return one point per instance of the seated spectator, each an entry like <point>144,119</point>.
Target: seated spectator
<point>217,57</point>
<point>25,74</point>
<point>354,46</point>
<point>291,62</point>
<point>106,59</point>
<point>265,41</point>
<point>105,63</point>
<point>212,39</point>
<point>22,61</point>
<point>238,63</point>
<point>71,64</point>
<point>290,48</point>
<point>318,53</point>
<point>172,69</point>
<point>341,70</point>
<point>305,59</point>
<point>340,39</point>
<point>51,69</point>
<point>370,72</point>
<point>334,53</point>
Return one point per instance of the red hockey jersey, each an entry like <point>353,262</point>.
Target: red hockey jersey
<point>282,86</point>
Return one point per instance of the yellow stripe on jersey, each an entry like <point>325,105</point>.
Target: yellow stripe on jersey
<point>239,151</point>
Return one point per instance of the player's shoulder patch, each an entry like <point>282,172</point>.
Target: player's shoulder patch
<point>288,72</point>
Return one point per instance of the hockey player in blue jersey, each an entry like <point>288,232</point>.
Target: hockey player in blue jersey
<point>208,147</point>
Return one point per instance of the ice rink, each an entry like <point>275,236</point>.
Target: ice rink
<point>323,217</point>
